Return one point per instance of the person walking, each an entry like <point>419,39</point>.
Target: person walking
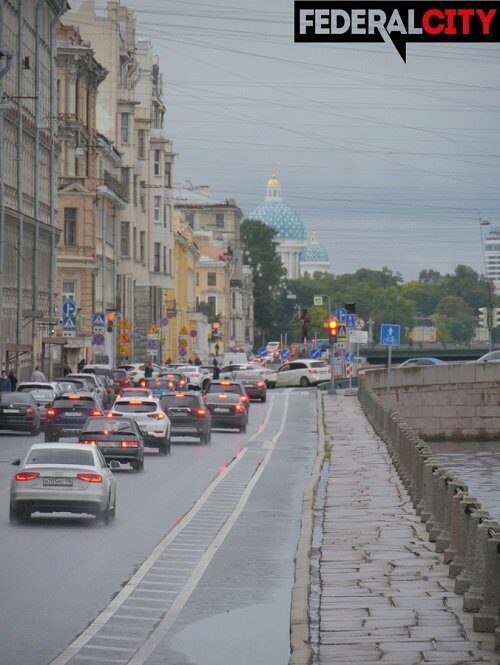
<point>66,369</point>
<point>13,380</point>
<point>197,361</point>
<point>148,370</point>
<point>81,364</point>
<point>5,384</point>
<point>38,375</point>
<point>216,372</point>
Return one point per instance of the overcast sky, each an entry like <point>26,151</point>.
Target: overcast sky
<point>393,163</point>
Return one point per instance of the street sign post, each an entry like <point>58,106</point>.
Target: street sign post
<point>285,354</point>
<point>315,353</point>
<point>69,308</point>
<point>390,335</point>
<point>340,314</point>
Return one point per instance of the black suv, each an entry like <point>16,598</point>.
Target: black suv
<point>67,415</point>
<point>188,415</point>
<point>118,439</point>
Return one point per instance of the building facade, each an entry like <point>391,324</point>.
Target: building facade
<point>29,154</point>
<point>492,258</point>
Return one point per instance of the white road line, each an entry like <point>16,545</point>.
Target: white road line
<point>177,606</point>
<point>73,649</point>
<point>263,426</point>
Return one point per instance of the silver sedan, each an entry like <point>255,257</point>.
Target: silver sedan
<point>63,477</point>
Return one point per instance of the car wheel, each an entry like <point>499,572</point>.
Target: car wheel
<point>263,398</point>
<point>136,465</point>
<point>304,382</point>
<point>112,512</point>
<point>164,447</point>
<point>17,515</point>
<point>103,516</point>
<point>243,428</point>
<point>141,464</point>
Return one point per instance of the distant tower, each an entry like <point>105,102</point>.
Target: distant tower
<point>492,257</point>
<point>315,257</point>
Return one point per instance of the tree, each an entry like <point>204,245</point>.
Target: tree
<point>455,320</point>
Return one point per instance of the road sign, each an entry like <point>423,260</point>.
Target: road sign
<point>340,314</point>
<point>182,352</point>
<point>350,320</point>
<point>318,301</point>
<point>360,324</point>
<point>124,324</point>
<point>349,356</point>
<point>285,354</point>
<point>348,369</point>
<point>262,351</point>
<point>99,320</point>
<point>69,308</point>
<point>69,323</point>
<point>152,352</point>
<point>193,332</point>
<point>390,334</point>
<point>124,350</point>
<point>342,333</point>
<point>183,343</point>
<point>98,339</point>
<point>315,353</point>
<point>164,322</point>
<point>152,344</point>
<point>184,330</point>
<point>124,338</point>
<point>153,329</point>
<point>358,336</point>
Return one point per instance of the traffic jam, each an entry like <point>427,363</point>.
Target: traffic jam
<point>100,420</point>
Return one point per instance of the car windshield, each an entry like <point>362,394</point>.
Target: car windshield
<point>119,374</point>
<point>60,456</point>
<point>111,425</point>
<point>246,376</point>
<point>164,382</point>
<point>171,401</point>
<point>135,406</point>
<point>319,364</point>
<point>71,401</point>
<point>45,394</point>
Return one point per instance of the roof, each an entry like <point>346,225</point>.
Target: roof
<point>281,217</point>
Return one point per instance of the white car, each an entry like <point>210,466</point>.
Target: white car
<point>196,377</point>
<point>63,477</point>
<point>136,371</point>
<point>304,372</point>
<point>153,422</point>
<point>96,386</point>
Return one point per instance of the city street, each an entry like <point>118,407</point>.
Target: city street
<point>230,584</point>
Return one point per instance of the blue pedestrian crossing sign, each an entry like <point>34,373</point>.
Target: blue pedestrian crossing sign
<point>69,308</point>
<point>98,320</point>
<point>350,320</point>
<point>263,352</point>
<point>285,354</point>
<point>69,323</point>
<point>390,334</point>
<point>315,353</point>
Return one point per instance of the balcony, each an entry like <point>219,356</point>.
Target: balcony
<point>116,186</point>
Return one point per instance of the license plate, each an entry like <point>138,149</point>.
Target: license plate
<point>11,411</point>
<point>176,414</point>
<point>219,410</point>
<point>58,482</point>
<point>108,444</point>
<point>72,414</point>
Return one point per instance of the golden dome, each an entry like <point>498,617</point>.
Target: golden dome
<point>273,181</point>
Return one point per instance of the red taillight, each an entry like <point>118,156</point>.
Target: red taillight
<point>94,412</point>
<point>89,477</point>
<point>261,384</point>
<point>30,410</point>
<point>129,444</point>
<point>244,398</point>
<point>50,412</point>
<point>111,415</point>
<point>239,408</point>
<point>142,383</point>
<point>313,371</point>
<point>27,475</point>
<point>91,442</point>
<point>200,412</point>
<point>157,416</point>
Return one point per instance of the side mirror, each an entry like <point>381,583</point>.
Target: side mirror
<point>16,462</point>
<point>113,465</point>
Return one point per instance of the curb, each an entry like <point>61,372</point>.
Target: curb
<point>300,648</point>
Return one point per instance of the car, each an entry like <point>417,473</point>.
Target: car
<point>227,410</point>
<point>135,392</point>
<point>254,384</point>
<point>227,386</point>
<point>195,377</point>
<point>72,385</point>
<point>105,376</point>
<point>136,371</point>
<point>304,372</point>
<point>269,376</point>
<point>94,384</point>
<point>165,383</point>
<point>153,422</point>
<point>43,393</point>
<point>68,413</point>
<point>418,362</point>
<point>19,412</point>
<point>98,370</point>
<point>227,370</point>
<point>492,356</point>
<point>117,438</point>
<point>188,414</point>
<point>121,380</point>
<point>65,477</point>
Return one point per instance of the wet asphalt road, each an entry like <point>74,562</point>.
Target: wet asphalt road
<point>59,572</point>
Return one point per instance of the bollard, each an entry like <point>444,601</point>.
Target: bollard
<point>423,456</point>
<point>428,491</point>
<point>453,487</point>
<point>497,639</point>
<point>487,619</point>
<point>457,555</point>
<point>473,598</point>
<point>435,524</point>
<point>464,580</point>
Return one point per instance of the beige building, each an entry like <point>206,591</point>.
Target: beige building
<point>215,296</point>
<point>28,172</point>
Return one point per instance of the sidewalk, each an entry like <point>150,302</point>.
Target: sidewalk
<point>385,595</point>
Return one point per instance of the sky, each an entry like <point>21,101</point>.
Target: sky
<point>394,164</point>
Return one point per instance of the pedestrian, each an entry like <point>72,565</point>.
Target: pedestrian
<point>148,370</point>
<point>410,343</point>
<point>169,361</point>
<point>197,361</point>
<point>216,372</point>
<point>81,364</point>
<point>38,375</point>
<point>190,361</point>
<point>5,384</point>
<point>66,369</point>
<point>13,380</point>
<point>217,349</point>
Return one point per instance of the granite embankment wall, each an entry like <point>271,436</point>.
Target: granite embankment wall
<point>447,402</point>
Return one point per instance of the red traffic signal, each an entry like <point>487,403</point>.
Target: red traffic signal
<point>333,328</point>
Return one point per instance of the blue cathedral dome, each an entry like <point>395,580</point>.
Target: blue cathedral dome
<point>315,253</point>
<point>279,215</point>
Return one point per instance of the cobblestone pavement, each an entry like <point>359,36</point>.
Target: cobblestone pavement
<point>385,595</point>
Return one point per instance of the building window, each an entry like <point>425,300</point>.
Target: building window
<point>170,261</point>
<point>124,127</point>
<point>68,291</point>
<point>197,279</point>
<point>167,171</point>
<point>157,208</point>
<point>125,238</point>
<point>212,305</point>
<point>141,144</point>
<point>164,259</point>
<point>189,217</point>
<point>219,220</point>
<point>212,279</point>
<point>157,169</point>
<point>70,227</point>
<point>142,247</point>
<point>157,257</point>
<point>134,242</point>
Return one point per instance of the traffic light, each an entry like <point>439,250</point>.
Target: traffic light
<point>496,317</point>
<point>350,307</point>
<point>333,328</point>
<point>111,317</point>
<point>483,317</point>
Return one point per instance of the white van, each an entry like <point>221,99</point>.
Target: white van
<point>239,358</point>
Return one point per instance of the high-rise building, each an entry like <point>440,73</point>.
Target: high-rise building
<point>492,257</point>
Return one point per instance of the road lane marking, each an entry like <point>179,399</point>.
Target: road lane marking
<point>263,425</point>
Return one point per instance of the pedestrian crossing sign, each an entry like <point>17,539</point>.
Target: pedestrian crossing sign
<point>342,333</point>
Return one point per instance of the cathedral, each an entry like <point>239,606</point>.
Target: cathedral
<point>297,255</point>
